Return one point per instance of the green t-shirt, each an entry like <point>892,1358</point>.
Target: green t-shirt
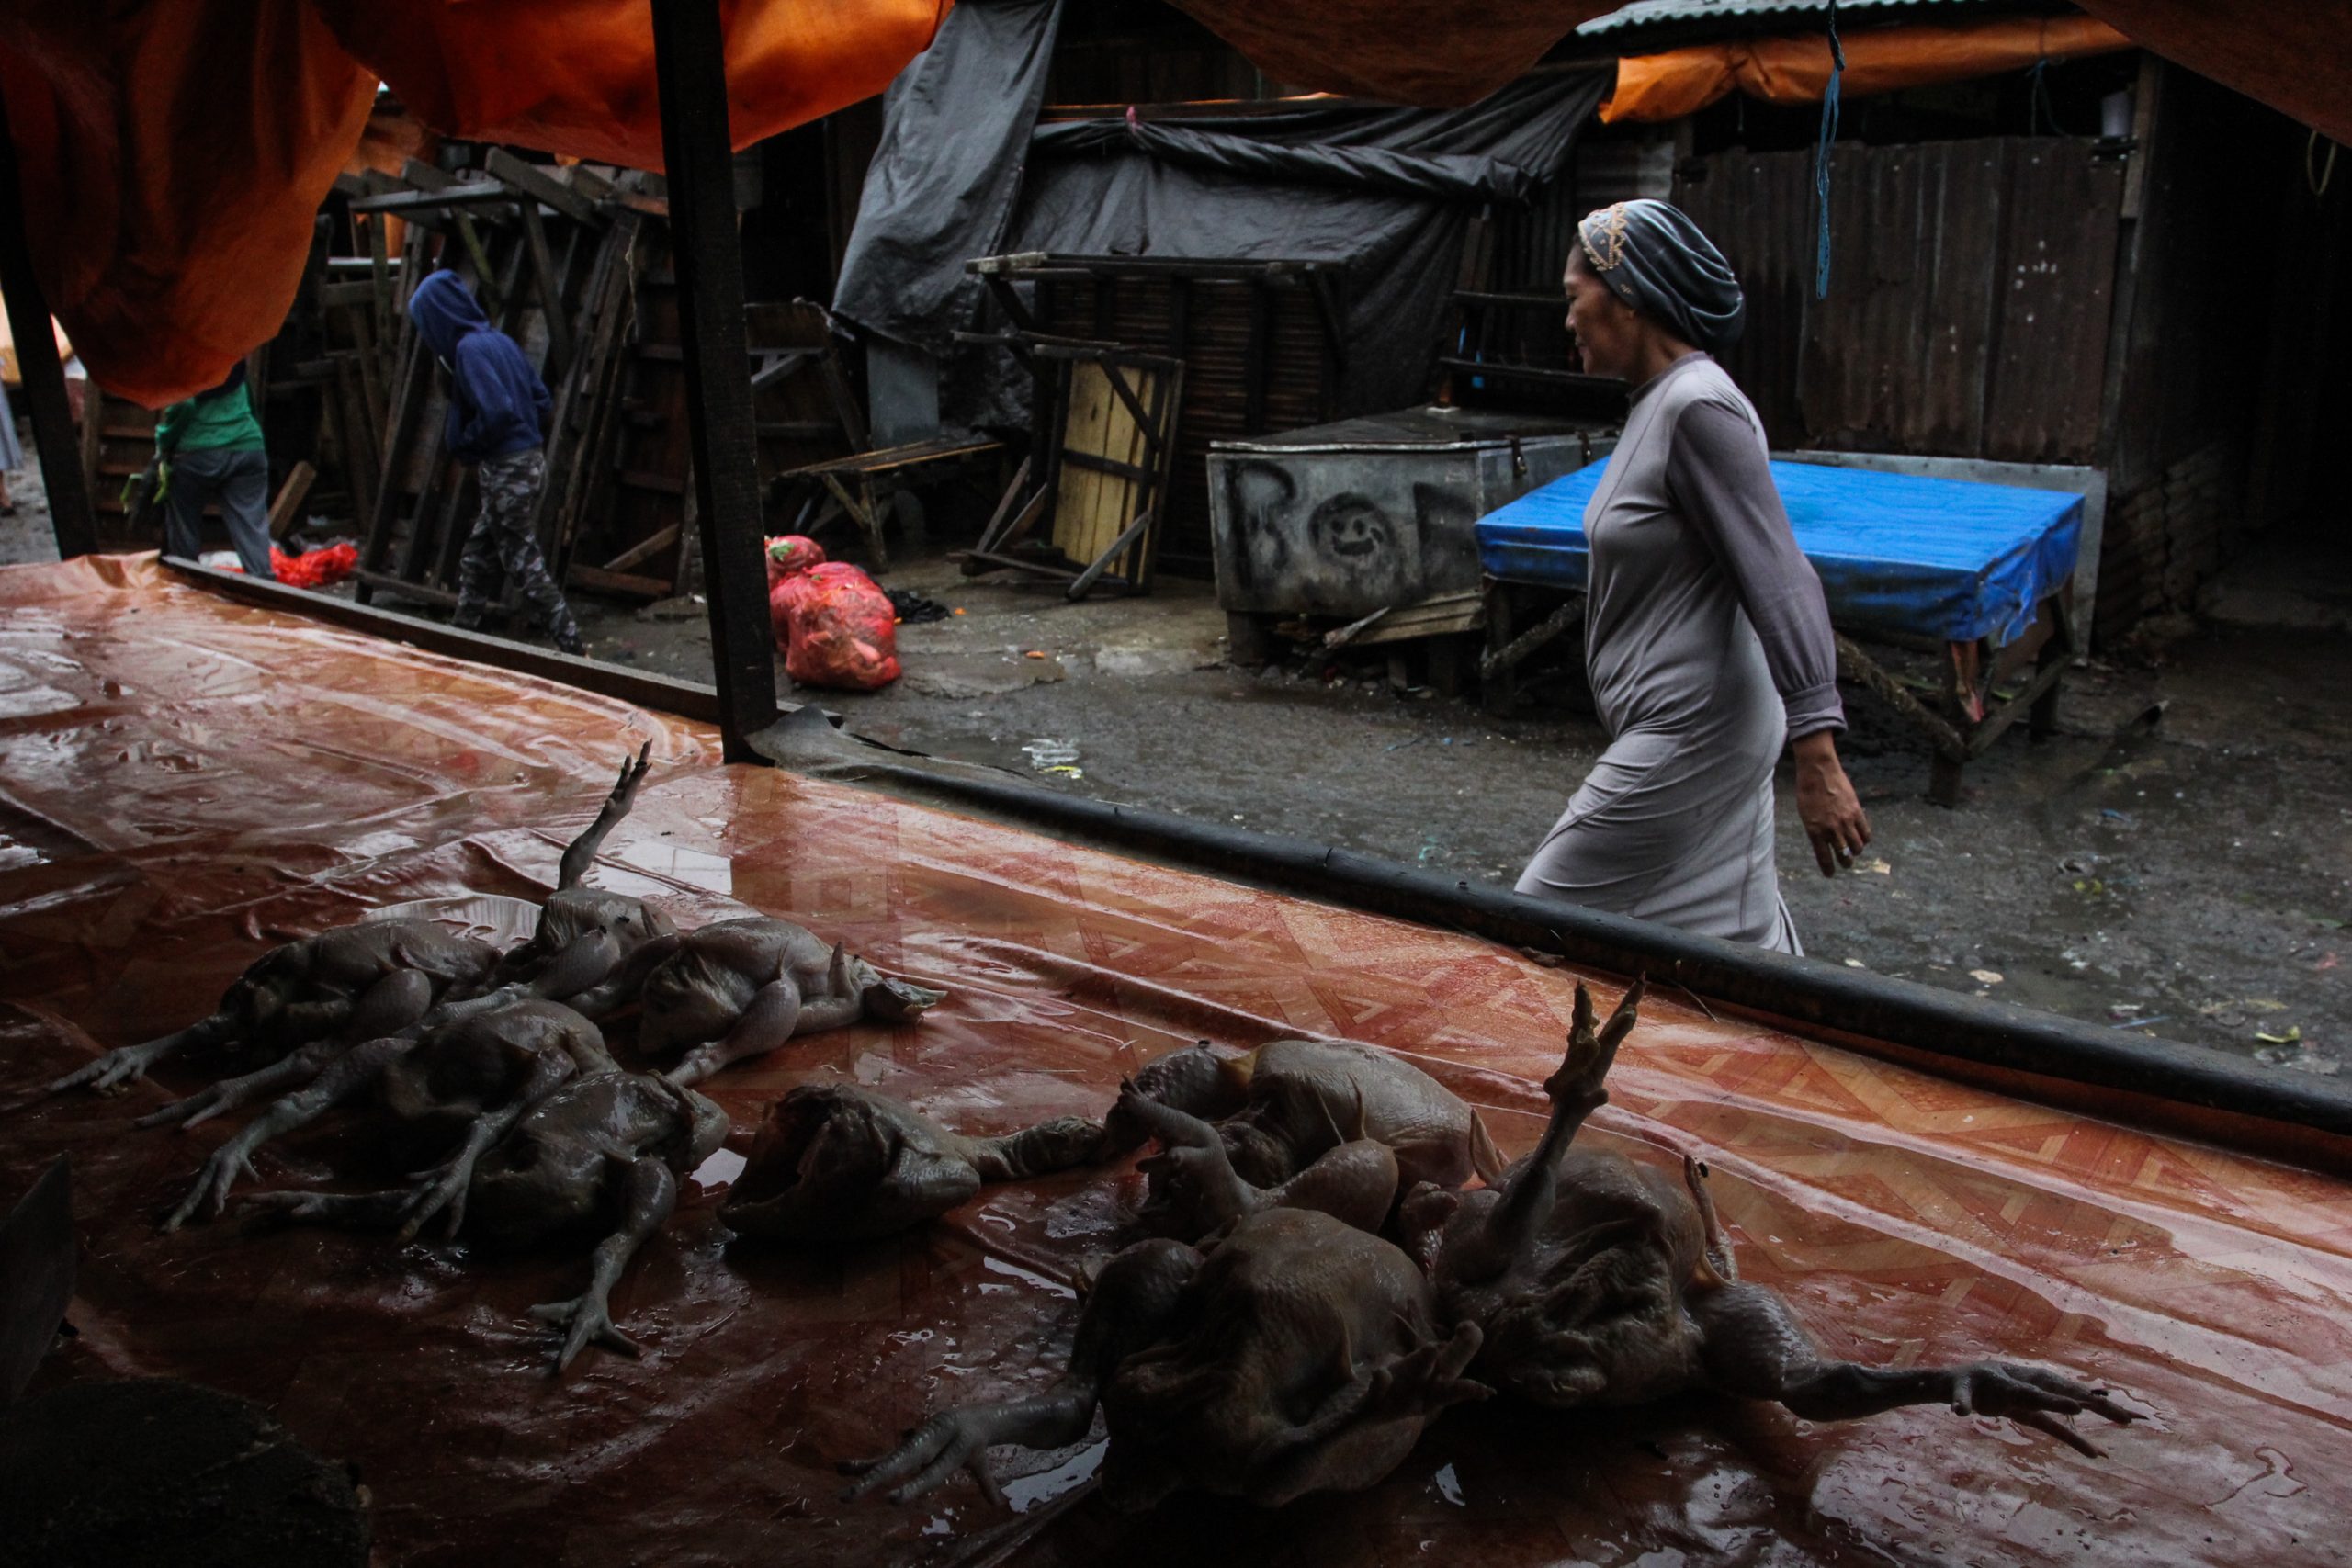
<point>208,424</point>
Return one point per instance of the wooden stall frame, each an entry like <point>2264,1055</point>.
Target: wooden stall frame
<point>1147,409</point>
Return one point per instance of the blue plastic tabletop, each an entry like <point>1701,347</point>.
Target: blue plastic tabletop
<point>1952,558</point>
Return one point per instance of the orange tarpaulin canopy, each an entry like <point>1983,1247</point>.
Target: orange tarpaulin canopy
<point>174,157</point>
<point>1796,70</point>
<point>2295,57</point>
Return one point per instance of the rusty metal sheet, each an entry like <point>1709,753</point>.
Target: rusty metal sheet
<point>2061,217</point>
<point>1968,306</point>
<point>180,774</point>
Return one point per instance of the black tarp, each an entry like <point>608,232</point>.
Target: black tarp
<point>1387,193</point>
<point>941,189</point>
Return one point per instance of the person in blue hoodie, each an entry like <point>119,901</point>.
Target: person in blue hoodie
<point>497,421</point>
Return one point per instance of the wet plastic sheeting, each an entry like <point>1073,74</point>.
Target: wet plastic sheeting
<point>180,775</point>
<point>1953,558</point>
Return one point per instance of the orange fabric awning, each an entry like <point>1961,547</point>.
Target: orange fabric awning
<point>576,77</point>
<point>1434,53</point>
<point>1796,70</point>
<point>174,157</point>
<point>2296,58</point>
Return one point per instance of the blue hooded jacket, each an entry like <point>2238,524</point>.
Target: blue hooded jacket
<point>498,405</point>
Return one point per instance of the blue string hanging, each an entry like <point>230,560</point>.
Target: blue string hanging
<point>1821,159</point>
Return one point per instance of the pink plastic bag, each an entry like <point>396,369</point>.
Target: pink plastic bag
<point>836,626</point>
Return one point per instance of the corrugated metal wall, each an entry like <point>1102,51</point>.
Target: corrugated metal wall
<point>1968,309</point>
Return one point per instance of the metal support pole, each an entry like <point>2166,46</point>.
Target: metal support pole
<point>44,374</point>
<point>690,68</point>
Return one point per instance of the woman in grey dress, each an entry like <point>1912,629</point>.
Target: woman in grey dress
<point>1706,633</point>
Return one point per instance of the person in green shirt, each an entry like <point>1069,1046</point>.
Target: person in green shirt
<point>208,448</point>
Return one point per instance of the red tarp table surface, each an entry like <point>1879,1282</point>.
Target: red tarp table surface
<point>180,774</point>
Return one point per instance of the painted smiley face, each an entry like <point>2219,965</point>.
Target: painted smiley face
<point>1352,527</point>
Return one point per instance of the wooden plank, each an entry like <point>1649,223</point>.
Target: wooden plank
<point>783,365</point>
<point>418,174</point>
<point>585,180</point>
<point>537,183</point>
<point>990,558</point>
<point>1000,521</point>
<point>577,412</point>
<point>914,454</point>
<point>645,550</point>
<point>467,194</point>
<point>1408,622</point>
<point>389,583</point>
<point>1085,413</point>
<point>1113,468</point>
<point>379,282</point>
<point>286,510</point>
<point>1119,546</point>
<point>621,581</point>
<point>550,292</point>
<point>1559,623</point>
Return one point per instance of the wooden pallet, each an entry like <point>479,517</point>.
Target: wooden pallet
<point>542,249</point>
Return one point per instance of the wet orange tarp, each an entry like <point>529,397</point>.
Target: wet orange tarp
<point>1879,59</point>
<point>174,155</point>
<point>180,775</point>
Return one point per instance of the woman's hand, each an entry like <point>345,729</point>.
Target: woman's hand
<point>1833,818</point>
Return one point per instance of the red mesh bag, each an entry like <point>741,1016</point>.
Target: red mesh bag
<point>836,627</point>
<point>315,569</point>
<point>788,553</point>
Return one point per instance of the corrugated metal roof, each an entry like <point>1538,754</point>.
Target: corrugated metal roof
<point>1647,13</point>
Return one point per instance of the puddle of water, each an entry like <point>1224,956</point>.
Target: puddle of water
<point>719,1170</point>
<point>1075,1471</point>
<point>695,868</point>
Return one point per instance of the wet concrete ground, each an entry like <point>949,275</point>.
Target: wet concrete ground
<point>2191,875</point>
<point>2188,874</point>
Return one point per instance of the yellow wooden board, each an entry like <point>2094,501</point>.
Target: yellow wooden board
<point>1091,509</point>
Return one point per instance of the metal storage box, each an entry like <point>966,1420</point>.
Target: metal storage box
<point>1347,518</point>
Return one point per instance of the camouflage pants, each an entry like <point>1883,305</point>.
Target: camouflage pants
<point>502,546</point>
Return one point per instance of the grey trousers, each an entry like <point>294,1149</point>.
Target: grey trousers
<point>501,546</point>
<point>239,482</point>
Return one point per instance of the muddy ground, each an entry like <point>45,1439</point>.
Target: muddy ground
<point>2177,859</point>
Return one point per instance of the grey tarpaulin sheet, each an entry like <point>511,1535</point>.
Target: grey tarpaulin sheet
<point>955,125</point>
<point>1388,193</point>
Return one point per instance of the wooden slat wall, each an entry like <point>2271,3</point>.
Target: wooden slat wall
<point>1968,308</point>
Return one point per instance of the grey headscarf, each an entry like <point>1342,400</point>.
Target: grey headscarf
<point>1652,257</point>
